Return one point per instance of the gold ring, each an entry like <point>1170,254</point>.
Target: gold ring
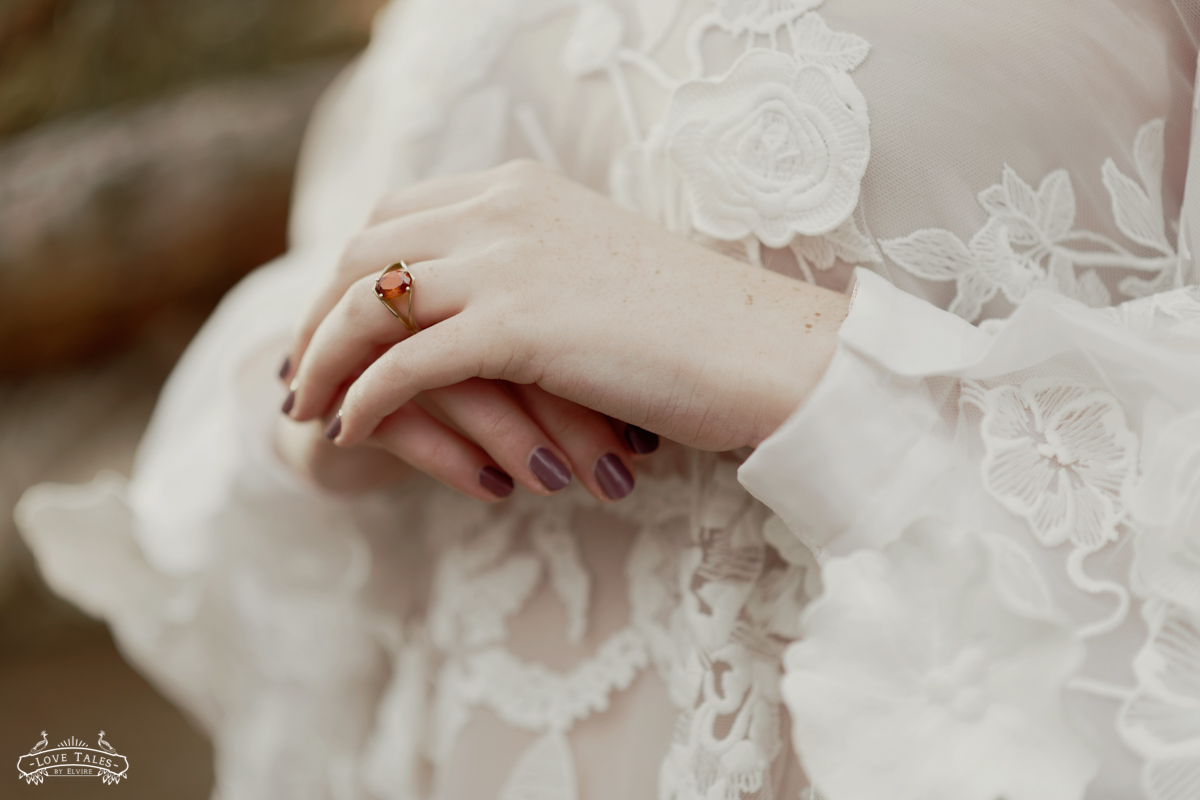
<point>396,282</point>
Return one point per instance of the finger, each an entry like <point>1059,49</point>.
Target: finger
<point>417,239</point>
<point>336,469</point>
<point>450,352</point>
<point>357,330</point>
<point>415,437</point>
<point>640,441</point>
<point>492,418</point>
<point>600,459</point>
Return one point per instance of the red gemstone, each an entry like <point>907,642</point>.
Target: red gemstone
<point>393,284</point>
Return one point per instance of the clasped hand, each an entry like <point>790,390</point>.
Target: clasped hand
<point>544,309</point>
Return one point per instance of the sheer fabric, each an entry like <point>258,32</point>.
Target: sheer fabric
<point>966,568</point>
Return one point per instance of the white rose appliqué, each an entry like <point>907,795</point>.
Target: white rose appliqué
<point>774,148</point>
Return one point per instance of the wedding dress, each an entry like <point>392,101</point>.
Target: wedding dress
<point>967,568</point>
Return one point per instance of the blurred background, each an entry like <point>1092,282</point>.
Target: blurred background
<point>147,149</point>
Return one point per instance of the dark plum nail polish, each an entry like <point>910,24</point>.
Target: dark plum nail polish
<point>613,478</point>
<point>495,481</point>
<point>334,429</point>
<point>285,369</point>
<point>553,474</point>
<point>291,401</point>
<point>640,441</point>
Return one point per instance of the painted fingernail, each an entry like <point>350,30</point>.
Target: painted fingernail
<point>613,478</point>
<point>553,474</point>
<point>291,401</point>
<point>640,441</point>
<point>285,369</point>
<point>495,481</point>
<point>334,428</point>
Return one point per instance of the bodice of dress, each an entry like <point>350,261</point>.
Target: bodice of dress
<point>963,570</point>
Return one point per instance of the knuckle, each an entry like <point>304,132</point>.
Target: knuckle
<point>519,362</point>
<point>440,451</point>
<point>360,296</point>
<point>354,313</point>
<point>498,427</point>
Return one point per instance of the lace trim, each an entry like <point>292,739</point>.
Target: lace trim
<point>712,607</point>
<point>533,698</point>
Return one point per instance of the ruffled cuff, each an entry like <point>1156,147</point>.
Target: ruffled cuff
<point>875,441</point>
<point>871,429</point>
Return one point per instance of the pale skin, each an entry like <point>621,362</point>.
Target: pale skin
<point>544,309</point>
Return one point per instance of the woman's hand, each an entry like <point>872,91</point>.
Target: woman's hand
<point>475,437</point>
<point>524,276</point>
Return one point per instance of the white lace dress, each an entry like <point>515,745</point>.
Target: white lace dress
<point>968,568</point>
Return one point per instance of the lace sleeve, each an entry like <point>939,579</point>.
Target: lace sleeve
<point>1007,520</point>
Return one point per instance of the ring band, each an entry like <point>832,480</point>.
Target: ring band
<point>394,283</point>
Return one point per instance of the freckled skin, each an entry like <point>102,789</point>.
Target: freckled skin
<point>632,321</point>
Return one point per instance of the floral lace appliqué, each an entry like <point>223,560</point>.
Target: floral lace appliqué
<point>1029,240</point>
<point>1060,456</point>
<point>772,150</point>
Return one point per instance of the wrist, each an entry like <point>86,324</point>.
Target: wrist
<point>798,339</point>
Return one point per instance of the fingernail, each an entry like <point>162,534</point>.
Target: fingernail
<point>553,474</point>
<point>613,478</point>
<point>334,428</point>
<point>640,441</point>
<point>495,481</point>
<point>291,401</point>
<point>285,369</point>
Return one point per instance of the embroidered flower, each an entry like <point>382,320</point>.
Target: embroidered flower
<point>1166,506</point>
<point>479,584</point>
<point>772,149</point>
<point>1161,721</point>
<point>1013,253</point>
<point>1060,456</point>
<point>760,16</point>
<point>922,651</point>
<point>1029,240</point>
